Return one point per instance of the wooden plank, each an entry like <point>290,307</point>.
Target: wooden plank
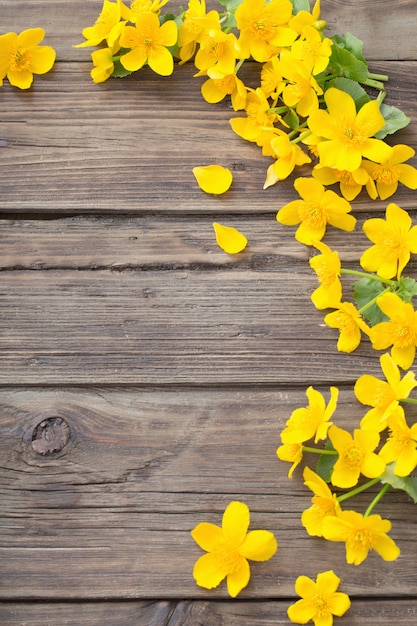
<point>117,243</point>
<point>373,21</point>
<point>170,327</point>
<point>59,156</point>
<point>190,613</point>
<point>109,514</point>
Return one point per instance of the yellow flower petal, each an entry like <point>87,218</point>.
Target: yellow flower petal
<point>214,179</point>
<point>235,522</point>
<point>238,578</point>
<point>229,239</point>
<point>207,536</point>
<point>259,545</point>
<point>209,570</point>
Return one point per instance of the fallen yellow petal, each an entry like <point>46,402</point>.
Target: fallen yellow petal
<point>229,239</point>
<point>214,179</point>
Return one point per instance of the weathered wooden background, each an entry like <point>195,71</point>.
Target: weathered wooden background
<point>167,367</point>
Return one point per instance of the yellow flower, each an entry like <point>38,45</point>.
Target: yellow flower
<point>133,12</point>
<point>382,395</point>
<point>107,26</point>
<point>327,267</point>
<point>349,134</point>
<point>258,125</point>
<point>21,57</point>
<point>320,600</point>
<point>229,239</point>
<point>195,23</point>
<point>216,55</point>
<point>264,28</point>
<point>391,171</point>
<point>291,452</point>
<point>148,42</point>
<point>228,549</point>
<point>356,456</point>
<point>394,240</point>
<point>288,155</point>
<point>302,89</point>
<point>349,322</point>
<point>313,49</point>
<point>312,420</point>
<point>400,331</point>
<point>215,89</point>
<point>272,82</point>
<point>401,445</point>
<point>361,534</point>
<point>214,179</point>
<point>351,183</point>
<point>317,208</point>
<point>324,503</point>
<point>103,64</point>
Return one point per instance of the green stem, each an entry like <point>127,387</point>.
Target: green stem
<point>239,65</point>
<point>383,77</point>
<point>371,302</point>
<point>278,110</point>
<point>301,137</point>
<point>377,498</point>
<point>386,281</point>
<point>369,82</point>
<point>409,400</point>
<point>357,490</point>
<point>318,451</point>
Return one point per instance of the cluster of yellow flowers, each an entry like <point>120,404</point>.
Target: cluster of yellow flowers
<point>310,108</point>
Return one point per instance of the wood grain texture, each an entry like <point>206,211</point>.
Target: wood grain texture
<point>195,613</point>
<point>170,327</point>
<point>109,516</point>
<point>145,375</point>
<point>165,243</point>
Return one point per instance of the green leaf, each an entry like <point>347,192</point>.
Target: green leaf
<point>351,87</point>
<point>300,5</point>
<point>291,118</point>
<point>325,464</point>
<point>406,289</point>
<point>365,290</point>
<point>407,484</point>
<point>354,45</point>
<point>119,71</point>
<point>344,63</point>
<point>231,6</point>
<point>394,120</point>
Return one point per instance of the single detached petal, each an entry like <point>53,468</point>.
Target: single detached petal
<point>229,239</point>
<point>214,179</point>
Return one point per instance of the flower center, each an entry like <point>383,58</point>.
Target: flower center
<point>321,605</point>
<point>313,215</point>
<point>20,59</point>
<point>404,335</point>
<point>353,457</point>
<point>386,174</point>
<point>364,537</point>
<point>262,29</point>
<point>229,558</point>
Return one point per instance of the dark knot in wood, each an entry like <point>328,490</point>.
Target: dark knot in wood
<point>50,435</point>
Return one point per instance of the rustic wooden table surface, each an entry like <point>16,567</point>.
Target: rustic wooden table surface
<point>166,367</point>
